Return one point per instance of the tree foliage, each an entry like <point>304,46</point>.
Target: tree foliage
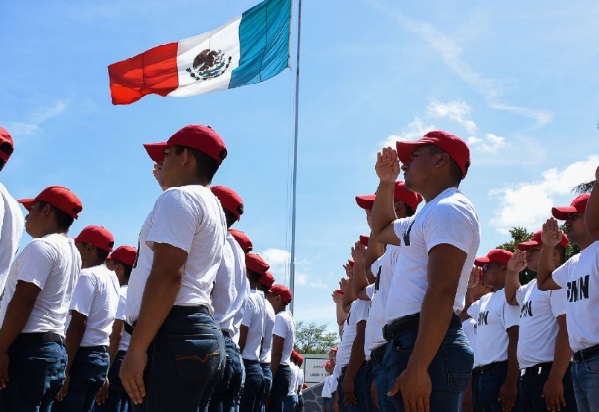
<point>313,338</point>
<point>584,187</point>
<point>519,234</point>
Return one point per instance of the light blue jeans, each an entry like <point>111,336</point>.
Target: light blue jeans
<point>585,376</point>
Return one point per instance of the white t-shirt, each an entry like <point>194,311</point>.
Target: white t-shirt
<point>96,296</point>
<point>293,381</point>
<point>494,317</point>
<point>285,328</point>
<point>52,263</point>
<point>11,230</point>
<point>579,276</point>
<point>469,327</point>
<point>300,379</point>
<point>538,326</point>
<point>120,315</point>
<point>189,218</point>
<point>450,219</point>
<point>357,313</point>
<point>269,324</point>
<point>230,288</point>
<point>326,387</point>
<point>253,319</point>
<point>376,318</point>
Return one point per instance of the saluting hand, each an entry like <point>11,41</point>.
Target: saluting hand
<point>551,234</point>
<point>517,262</point>
<point>387,165</point>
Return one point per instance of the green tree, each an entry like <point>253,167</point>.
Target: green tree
<point>519,234</point>
<point>313,338</point>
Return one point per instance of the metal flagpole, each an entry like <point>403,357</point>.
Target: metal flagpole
<point>295,136</point>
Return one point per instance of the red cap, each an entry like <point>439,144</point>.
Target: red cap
<point>578,205</point>
<point>351,263</point>
<point>255,263</point>
<point>327,363</point>
<point>335,348</point>
<point>299,358</point>
<point>283,292</point>
<point>124,254</point>
<point>494,256</point>
<point>410,198</point>
<point>5,137</point>
<point>242,239</point>
<point>229,200</point>
<point>196,136</point>
<point>536,240</point>
<point>364,240</point>
<point>267,279</point>
<point>59,197</point>
<point>305,386</point>
<point>339,291</point>
<point>98,236</point>
<point>455,147</point>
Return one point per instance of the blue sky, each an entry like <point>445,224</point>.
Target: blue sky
<point>517,81</point>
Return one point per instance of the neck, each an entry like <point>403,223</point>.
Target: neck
<point>435,189</point>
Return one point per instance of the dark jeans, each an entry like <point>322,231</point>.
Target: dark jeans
<point>585,375</point>
<point>280,388</point>
<point>489,383</point>
<point>475,390</point>
<point>87,375</point>
<point>290,403</point>
<point>227,393</point>
<point>36,372</point>
<point>300,403</point>
<point>368,382</point>
<point>531,391</point>
<point>381,381</point>
<point>449,371</point>
<point>359,391</point>
<point>118,400</point>
<point>186,358</point>
<point>267,386</point>
<point>254,380</point>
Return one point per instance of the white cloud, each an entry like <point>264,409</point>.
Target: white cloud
<point>415,130</point>
<point>455,110</point>
<point>529,204</point>
<point>491,143</point>
<point>33,125</point>
<point>279,259</point>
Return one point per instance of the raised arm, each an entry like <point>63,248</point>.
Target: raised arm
<point>515,265</point>
<point>591,215</point>
<point>383,212</point>
<point>550,237</point>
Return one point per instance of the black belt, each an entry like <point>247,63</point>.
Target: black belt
<point>411,323</point>
<point>586,353</point>
<point>491,366</point>
<point>39,337</point>
<point>99,348</point>
<point>476,372</point>
<point>378,354</point>
<point>536,369</point>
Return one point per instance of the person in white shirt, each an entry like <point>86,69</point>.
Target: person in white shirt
<point>291,398</point>
<point>283,339</point>
<point>544,352</point>
<point>579,276</point>
<point>113,397</point>
<point>36,300</point>
<point>264,285</point>
<point>301,385</point>
<point>251,333</point>
<point>93,310</point>
<point>11,217</point>
<point>496,338</point>
<point>429,281</point>
<point>168,299</point>
<point>229,295</point>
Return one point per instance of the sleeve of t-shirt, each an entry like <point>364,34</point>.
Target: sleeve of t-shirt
<point>361,310</point>
<point>38,258</point>
<point>447,224</point>
<point>1,210</point>
<point>175,220</point>
<point>558,300</point>
<point>474,310</point>
<point>511,315</point>
<point>281,327</point>
<point>400,225</point>
<point>83,295</point>
<point>521,294</point>
<point>248,313</point>
<point>120,310</point>
<point>560,275</point>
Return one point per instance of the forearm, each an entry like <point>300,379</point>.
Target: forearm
<point>591,215</point>
<point>74,337</point>
<point>512,284</point>
<point>513,368</point>
<point>275,361</point>
<point>468,302</point>
<point>374,251</point>
<point>360,281</point>
<point>383,212</point>
<point>159,296</point>
<point>348,297</point>
<point>341,313</point>
<point>115,339</point>
<point>17,315</point>
<point>562,355</point>
<point>357,356</point>
<point>545,269</point>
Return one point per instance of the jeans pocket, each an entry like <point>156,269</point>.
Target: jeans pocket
<point>199,357</point>
<point>592,365</point>
<point>459,359</point>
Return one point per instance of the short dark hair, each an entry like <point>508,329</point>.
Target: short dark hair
<point>7,149</point>
<point>206,165</point>
<point>101,254</point>
<point>263,288</point>
<point>231,218</point>
<point>128,268</point>
<point>562,253</point>
<point>254,276</point>
<point>63,220</point>
<point>454,169</point>
<point>2,163</point>
<point>409,210</point>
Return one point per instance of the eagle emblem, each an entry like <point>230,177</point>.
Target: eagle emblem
<point>209,64</point>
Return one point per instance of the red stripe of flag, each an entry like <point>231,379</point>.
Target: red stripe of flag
<point>153,71</point>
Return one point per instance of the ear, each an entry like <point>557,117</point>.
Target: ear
<point>443,158</point>
<point>46,210</point>
<point>186,157</point>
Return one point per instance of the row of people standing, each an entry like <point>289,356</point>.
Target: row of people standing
<point>200,314</point>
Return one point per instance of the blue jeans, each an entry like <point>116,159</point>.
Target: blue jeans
<point>36,372</point>
<point>254,380</point>
<point>118,400</point>
<point>359,391</point>
<point>381,380</point>
<point>280,388</point>
<point>227,393</point>
<point>290,403</point>
<point>186,358</point>
<point>585,375</point>
<point>531,391</point>
<point>327,404</point>
<point>87,375</point>
<point>266,387</point>
<point>300,403</point>
<point>489,383</point>
<point>449,371</point>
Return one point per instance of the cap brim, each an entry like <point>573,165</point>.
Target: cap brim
<point>366,201</point>
<point>26,203</point>
<point>524,246</point>
<point>156,151</point>
<point>561,213</point>
<point>405,149</point>
<point>481,261</point>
